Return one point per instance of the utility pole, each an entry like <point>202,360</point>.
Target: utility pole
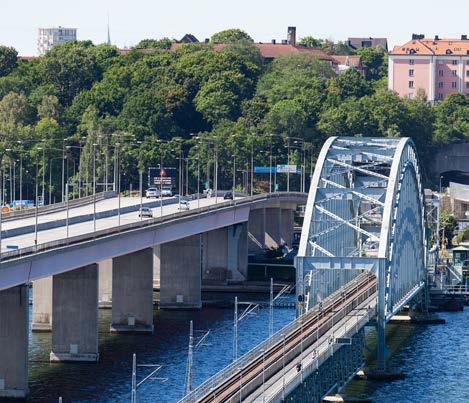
<point>288,164</point>
<point>271,308</point>
<point>189,359</point>
<point>134,379</point>
<point>235,330</point>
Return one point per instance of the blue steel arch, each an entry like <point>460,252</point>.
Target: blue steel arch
<point>364,212</point>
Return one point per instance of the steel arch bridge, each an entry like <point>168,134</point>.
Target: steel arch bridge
<point>364,213</point>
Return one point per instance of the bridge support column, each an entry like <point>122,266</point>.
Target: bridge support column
<point>286,226</point>
<point>14,316</point>
<point>42,305</point>
<point>179,264</point>
<point>256,230</point>
<point>273,218</point>
<point>75,313</point>
<point>105,284</point>
<point>132,292</point>
<point>381,318</point>
<point>225,254</point>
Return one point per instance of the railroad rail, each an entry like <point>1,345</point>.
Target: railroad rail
<point>245,375</point>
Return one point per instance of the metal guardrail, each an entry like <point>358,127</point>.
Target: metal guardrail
<point>91,236</point>
<point>462,289</point>
<point>206,387</point>
<point>52,208</point>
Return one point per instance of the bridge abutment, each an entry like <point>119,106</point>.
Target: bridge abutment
<point>132,292</point>
<point>179,265</point>
<point>14,342</point>
<point>75,313</point>
<point>42,305</point>
<point>105,284</point>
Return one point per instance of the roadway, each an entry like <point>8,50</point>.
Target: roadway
<point>87,227</point>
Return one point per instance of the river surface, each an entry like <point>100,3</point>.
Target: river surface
<point>435,359</point>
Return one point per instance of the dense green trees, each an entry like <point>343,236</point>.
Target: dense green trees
<point>81,99</point>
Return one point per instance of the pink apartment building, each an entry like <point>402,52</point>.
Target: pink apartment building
<point>437,66</point>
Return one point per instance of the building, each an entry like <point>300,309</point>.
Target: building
<point>438,67</point>
<point>189,38</point>
<point>358,43</point>
<point>346,62</point>
<point>50,37</point>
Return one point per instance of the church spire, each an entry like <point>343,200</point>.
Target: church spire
<point>108,33</point>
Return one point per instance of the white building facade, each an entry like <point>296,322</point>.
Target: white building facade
<point>50,37</point>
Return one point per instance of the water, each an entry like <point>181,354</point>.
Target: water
<point>435,359</point>
<point>110,379</point>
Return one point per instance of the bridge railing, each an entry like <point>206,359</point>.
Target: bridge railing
<point>277,338</point>
<point>90,236</point>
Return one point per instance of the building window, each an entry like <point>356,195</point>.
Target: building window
<point>440,84</point>
<point>440,95</point>
<point>411,84</point>
<point>467,73</point>
<point>454,84</point>
<point>454,62</point>
<point>454,73</point>
<point>440,73</point>
<point>411,95</point>
<point>467,85</point>
<point>411,72</point>
<point>412,61</point>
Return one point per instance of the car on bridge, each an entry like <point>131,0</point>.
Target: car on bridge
<point>166,191</point>
<point>184,205</point>
<point>145,212</point>
<point>152,192</point>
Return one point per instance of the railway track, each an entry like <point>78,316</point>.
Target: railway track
<point>310,328</point>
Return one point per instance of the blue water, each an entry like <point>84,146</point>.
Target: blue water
<point>435,359</point>
<point>110,379</point>
<point>436,362</point>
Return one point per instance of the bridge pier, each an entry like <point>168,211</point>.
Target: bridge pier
<point>105,284</point>
<point>42,305</point>
<point>14,342</point>
<point>225,254</point>
<point>132,292</point>
<point>256,230</point>
<point>75,313</point>
<point>179,265</point>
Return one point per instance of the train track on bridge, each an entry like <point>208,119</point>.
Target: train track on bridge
<point>310,328</point>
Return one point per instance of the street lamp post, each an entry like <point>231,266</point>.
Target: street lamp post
<point>234,175</point>
<point>94,187</point>
<point>288,163</point>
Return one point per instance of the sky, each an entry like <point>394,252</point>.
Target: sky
<point>133,20</point>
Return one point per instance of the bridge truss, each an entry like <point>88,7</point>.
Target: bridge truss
<point>364,213</point>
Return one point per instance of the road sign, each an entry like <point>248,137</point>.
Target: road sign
<point>284,169</point>
<point>264,170</point>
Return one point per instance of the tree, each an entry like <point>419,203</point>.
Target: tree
<point>71,68</point>
<point>349,84</point>
<point>375,61</point>
<point>163,43</point>
<point>8,58</point>
<point>14,112</point>
<point>231,36</point>
<point>287,117</point>
<point>452,119</point>
<point>49,107</point>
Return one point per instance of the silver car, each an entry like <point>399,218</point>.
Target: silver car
<point>145,212</point>
<point>184,205</point>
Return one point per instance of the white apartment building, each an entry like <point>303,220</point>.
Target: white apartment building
<point>50,37</point>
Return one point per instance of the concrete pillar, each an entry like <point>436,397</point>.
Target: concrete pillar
<point>75,313</point>
<point>42,305</point>
<point>132,292</point>
<point>14,316</point>
<point>224,254</point>
<point>180,269</point>
<point>256,231</point>
<point>272,227</point>
<point>156,268</point>
<point>105,284</point>
<point>237,259</point>
<point>286,227</point>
